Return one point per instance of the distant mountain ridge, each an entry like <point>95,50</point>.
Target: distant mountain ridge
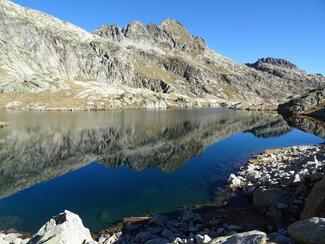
<point>48,64</point>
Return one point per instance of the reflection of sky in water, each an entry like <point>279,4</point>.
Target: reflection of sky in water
<point>103,195</point>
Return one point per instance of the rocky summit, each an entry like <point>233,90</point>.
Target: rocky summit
<point>48,64</point>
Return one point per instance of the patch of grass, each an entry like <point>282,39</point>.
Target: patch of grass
<point>230,92</point>
<point>51,100</point>
<point>147,68</point>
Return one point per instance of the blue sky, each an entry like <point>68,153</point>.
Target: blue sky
<point>243,30</point>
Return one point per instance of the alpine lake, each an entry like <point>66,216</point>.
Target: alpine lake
<point>108,165</point>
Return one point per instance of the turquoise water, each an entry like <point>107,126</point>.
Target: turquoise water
<point>108,165</point>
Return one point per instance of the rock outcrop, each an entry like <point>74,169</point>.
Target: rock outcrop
<point>309,231</point>
<point>252,237</point>
<point>65,228</point>
<point>138,66</point>
<point>312,104</point>
<point>315,203</point>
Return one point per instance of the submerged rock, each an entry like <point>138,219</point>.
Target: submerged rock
<point>64,228</point>
<point>309,231</point>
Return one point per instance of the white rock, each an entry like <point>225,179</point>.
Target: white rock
<point>114,238</point>
<point>65,228</point>
<point>251,237</point>
<point>234,181</point>
<point>202,239</point>
<point>101,240</point>
<point>12,237</point>
<point>296,179</point>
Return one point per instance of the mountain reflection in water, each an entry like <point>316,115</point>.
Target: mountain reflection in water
<point>43,146</point>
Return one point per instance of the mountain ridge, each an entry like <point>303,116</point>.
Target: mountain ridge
<point>49,64</point>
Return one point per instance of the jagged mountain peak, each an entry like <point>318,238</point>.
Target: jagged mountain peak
<point>171,22</point>
<point>168,35</point>
<point>173,26</point>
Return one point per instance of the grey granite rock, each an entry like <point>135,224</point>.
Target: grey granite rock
<point>312,103</point>
<point>251,237</point>
<point>65,228</point>
<point>315,203</point>
<point>309,231</point>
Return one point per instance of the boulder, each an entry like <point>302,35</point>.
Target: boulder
<point>309,231</point>
<point>202,239</point>
<point>250,237</point>
<point>64,228</point>
<point>234,181</point>
<point>315,203</point>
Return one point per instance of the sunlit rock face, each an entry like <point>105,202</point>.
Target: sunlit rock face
<point>311,104</point>
<point>138,66</point>
<point>45,146</point>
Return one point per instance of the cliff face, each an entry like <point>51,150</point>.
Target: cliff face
<point>138,66</point>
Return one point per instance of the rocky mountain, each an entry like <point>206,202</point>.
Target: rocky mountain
<point>285,70</point>
<point>48,64</point>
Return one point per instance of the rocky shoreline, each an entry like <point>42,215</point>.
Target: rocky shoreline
<point>284,190</point>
